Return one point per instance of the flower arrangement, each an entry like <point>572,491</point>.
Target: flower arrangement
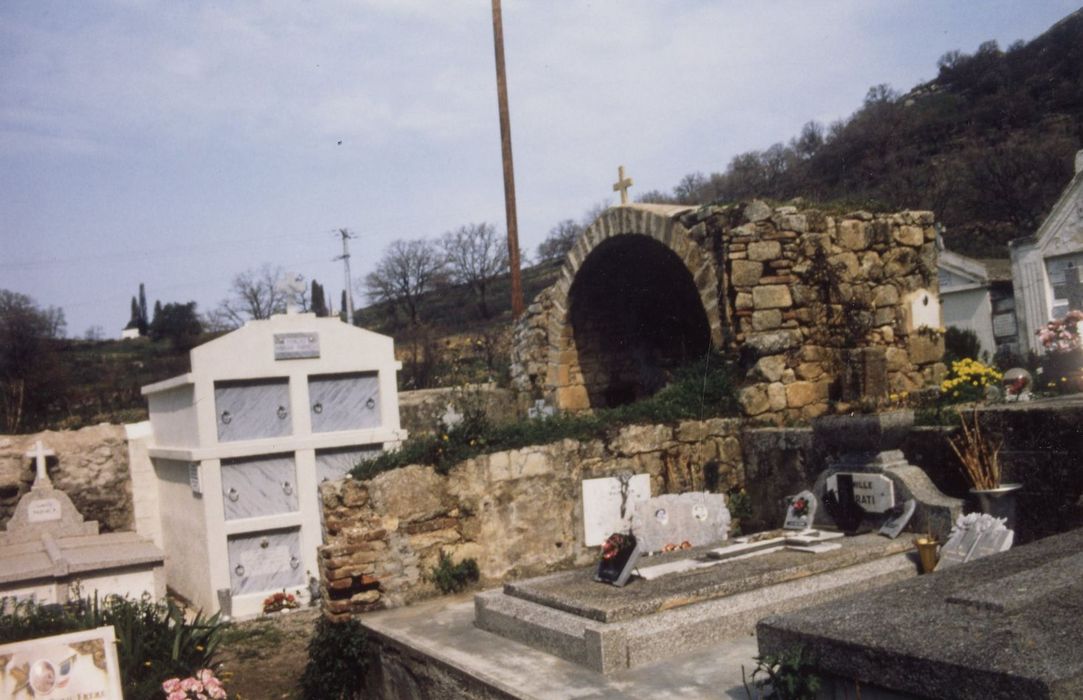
<point>969,380</point>
<point>1062,335</point>
<point>615,544</point>
<point>202,686</point>
<point>280,601</point>
<point>800,506</point>
<point>979,455</point>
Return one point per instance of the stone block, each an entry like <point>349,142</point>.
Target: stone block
<point>757,210</point>
<point>634,439</point>
<point>410,493</point>
<point>771,367</point>
<point>766,320</point>
<point>776,396</point>
<point>573,398</point>
<point>754,400</point>
<point>809,370</point>
<point>909,235</point>
<point>885,295</point>
<point>897,359</point>
<point>774,342</point>
<point>745,273</point>
<point>899,262</point>
<point>852,235</point>
<point>743,301</point>
<point>693,431</point>
<point>764,250</point>
<point>925,348</point>
<point>802,393</point>
<point>772,296</point>
<point>848,263</point>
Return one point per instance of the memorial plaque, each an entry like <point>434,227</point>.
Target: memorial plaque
<point>265,561</point>
<point>608,505</point>
<point>873,492</point>
<point>974,536</point>
<point>43,510</point>
<point>75,665</point>
<point>296,346</point>
<point>193,479</point>
<point>681,520</point>
<point>800,511</point>
<point>898,517</point>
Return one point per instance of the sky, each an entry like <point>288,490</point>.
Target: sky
<point>181,143</point>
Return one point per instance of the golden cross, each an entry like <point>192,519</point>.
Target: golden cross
<point>622,184</point>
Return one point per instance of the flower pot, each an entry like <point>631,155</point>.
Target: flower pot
<point>999,502</point>
<point>927,553</point>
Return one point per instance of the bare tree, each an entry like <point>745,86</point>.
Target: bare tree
<point>407,270</point>
<point>475,256</point>
<point>560,240</point>
<point>254,294</point>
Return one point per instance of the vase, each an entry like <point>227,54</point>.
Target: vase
<point>927,553</point>
<point>999,502</point>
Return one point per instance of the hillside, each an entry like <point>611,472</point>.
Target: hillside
<point>987,145</point>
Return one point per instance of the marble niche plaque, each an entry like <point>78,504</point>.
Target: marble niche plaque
<point>800,511</point>
<point>697,518</point>
<point>873,492</point>
<point>603,499</point>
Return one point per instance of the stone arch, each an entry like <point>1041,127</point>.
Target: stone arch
<point>680,275</point>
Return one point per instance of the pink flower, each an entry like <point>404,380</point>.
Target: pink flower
<point>177,695</point>
<point>192,684</point>
<point>171,685</point>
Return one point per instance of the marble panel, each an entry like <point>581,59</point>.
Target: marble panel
<point>265,561</point>
<point>251,410</point>
<point>344,401</point>
<point>252,487</point>
<point>332,465</point>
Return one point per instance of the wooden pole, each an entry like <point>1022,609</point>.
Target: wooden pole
<point>509,170</point>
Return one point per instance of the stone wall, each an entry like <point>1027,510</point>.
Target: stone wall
<point>91,466</point>
<point>815,306</point>
<point>420,410</point>
<point>516,513</point>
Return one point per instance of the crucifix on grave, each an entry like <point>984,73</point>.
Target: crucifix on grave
<point>39,454</point>
<point>622,184</point>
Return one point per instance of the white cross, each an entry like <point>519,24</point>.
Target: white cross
<point>292,286</point>
<point>622,184</point>
<point>38,454</point>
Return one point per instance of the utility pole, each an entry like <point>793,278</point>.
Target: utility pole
<point>345,258</point>
<point>509,170</point>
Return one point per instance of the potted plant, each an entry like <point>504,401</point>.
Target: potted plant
<point>980,457</point>
<point>1062,366</point>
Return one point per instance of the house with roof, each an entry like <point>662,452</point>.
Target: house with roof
<point>976,295</point>
<point>1045,265</point>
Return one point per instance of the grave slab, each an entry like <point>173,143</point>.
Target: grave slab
<point>608,630</point>
<point>1004,626</point>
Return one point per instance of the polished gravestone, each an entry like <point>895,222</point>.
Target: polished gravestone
<point>607,629</point>
<point>1005,626</point>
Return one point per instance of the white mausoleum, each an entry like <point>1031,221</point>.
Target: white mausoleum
<point>1045,264</point>
<point>239,444</point>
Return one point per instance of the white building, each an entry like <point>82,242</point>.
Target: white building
<point>976,295</point>
<point>1044,265</point>
<point>239,445</point>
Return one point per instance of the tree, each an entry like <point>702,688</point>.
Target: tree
<point>255,294</point>
<point>475,256</point>
<point>178,323</point>
<point>142,321</point>
<point>133,319</point>
<point>407,270</point>
<point>342,308</point>
<point>319,302</point>
<point>30,378</point>
<point>560,240</point>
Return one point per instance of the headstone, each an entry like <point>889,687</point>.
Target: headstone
<point>681,520</point>
<point>800,511</point>
<point>540,409</point>
<point>608,504</point>
<point>898,517</point>
<point>620,554</point>
<point>875,493</point>
<point>974,536</point>
<point>840,504</point>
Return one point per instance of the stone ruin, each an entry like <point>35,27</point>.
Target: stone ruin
<point>818,307</point>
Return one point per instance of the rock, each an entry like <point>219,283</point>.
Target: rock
<point>743,301</point>
<point>764,250</point>
<point>925,348</point>
<point>776,396</point>
<point>766,320</point>
<point>409,494</point>
<point>370,596</point>
<point>634,439</point>
<point>757,210</point>
<point>909,235</point>
<point>801,394</point>
<point>746,273</point>
<point>771,367</point>
<point>772,296</point>
<point>852,235</point>
<point>773,343</point>
<point>753,400</point>
<point>885,295</point>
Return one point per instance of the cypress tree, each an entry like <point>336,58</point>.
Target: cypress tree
<point>143,324</point>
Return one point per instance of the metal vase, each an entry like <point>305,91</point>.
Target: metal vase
<point>999,502</point>
<point>928,553</point>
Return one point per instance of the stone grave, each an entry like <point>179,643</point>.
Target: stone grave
<point>240,444</point>
<point>1004,626</point>
<point>50,552</point>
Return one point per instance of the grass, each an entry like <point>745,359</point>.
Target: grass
<point>702,389</point>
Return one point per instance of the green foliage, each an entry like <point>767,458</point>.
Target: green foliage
<point>453,578</point>
<point>338,660</point>
<point>790,675</point>
<point>31,377</point>
<point>177,323</point>
<point>702,389</point>
<point>154,641</point>
<point>960,343</point>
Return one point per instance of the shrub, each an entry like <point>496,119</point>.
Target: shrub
<point>702,389</point>
<point>154,641</point>
<point>960,343</point>
<point>790,675</point>
<point>968,381</point>
<point>338,661</point>
<point>453,578</point>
